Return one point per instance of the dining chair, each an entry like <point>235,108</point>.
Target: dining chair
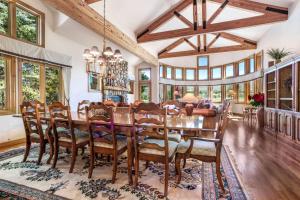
<point>204,149</point>
<point>103,138</point>
<point>65,134</point>
<point>81,106</point>
<point>35,130</point>
<point>110,103</point>
<point>151,138</point>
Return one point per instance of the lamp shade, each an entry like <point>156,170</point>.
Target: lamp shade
<point>108,51</point>
<point>190,98</point>
<point>100,60</point>
<point>95,51</point>
<point>86,53</point>
<point>117,53</point>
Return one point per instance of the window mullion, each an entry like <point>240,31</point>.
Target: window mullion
<point>42,83</point>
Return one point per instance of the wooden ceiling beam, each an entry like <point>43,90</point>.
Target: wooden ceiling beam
<point>190,43</point>
<point>211,50</point>
<point>204,14</point>
<point>195,15</point>
<point>204,42</point>
<point>199,42</point>
<point>218,12</point>
<point>88,17</point>
<point>91,1</point>
<point>165,17</point>
<point>237,39</point>
<point>183,19</point>
<point>214,40</point>
<point>173,45</point>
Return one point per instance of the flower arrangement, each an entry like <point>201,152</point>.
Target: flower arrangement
<point>257,99</point>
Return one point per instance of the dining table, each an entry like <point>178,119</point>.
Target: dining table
<point>124,124</point>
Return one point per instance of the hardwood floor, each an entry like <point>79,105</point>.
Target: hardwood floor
<point>269,168</point>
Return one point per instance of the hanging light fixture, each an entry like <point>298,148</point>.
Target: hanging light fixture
<point>107,55</point>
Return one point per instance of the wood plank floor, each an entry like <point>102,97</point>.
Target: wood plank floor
<point>269,168</point>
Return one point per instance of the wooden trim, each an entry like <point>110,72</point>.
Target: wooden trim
<point>195,75</point>
<point>10,143</point>
<point>182,72</point>
<point>211,69</point>
<point>207,56</point>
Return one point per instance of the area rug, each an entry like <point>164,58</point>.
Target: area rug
<point>27,180</point>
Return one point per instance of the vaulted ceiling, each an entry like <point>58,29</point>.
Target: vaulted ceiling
<point>173,28</point>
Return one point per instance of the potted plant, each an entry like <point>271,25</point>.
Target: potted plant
<point>278,54</point>
<point>257,100</point>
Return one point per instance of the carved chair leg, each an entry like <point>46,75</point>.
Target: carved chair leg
<point>219,175</point>
<point>42,150</point>
<point>115,165</point>
<point>177,168</point>
<point>28,145</point>
<point>108,158</point>
<point>56,149</point>
<point>92,160</point>
<point>184,162</point>
<point>166,178</point>
<point>147,164</point>
<point>50,139</point>
<point>82,151</point>
<point>136,171</point>
<point>73,158</point>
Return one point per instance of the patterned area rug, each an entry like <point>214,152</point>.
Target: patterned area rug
<point>24,181</point>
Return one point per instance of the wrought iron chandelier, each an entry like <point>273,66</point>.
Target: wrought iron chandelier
<point>98,59</point>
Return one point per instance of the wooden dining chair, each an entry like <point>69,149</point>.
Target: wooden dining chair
<point>103,137</point>
<point>110,103</point>
<point>35,130</point>
<point>151,138</point>
<point>204,149</point>
<point>81,106</point>
<point>65,134</point>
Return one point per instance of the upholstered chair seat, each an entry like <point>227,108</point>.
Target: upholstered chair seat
<point>174,136</point>
<point>81,136</point>
<point>200,148</point>
<point>172,147</point>
<point>121,142</point>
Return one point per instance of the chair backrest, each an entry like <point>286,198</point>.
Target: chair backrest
<point>81,106</point>
<point>41,106</point>
<point>31,119</point>
<point>222,124</point>
<point>149,119</point>
<point>123,104</point>
<point>100,123</point>
<point>110,103</point>
<point>61,120</point>
<point>136,103</point>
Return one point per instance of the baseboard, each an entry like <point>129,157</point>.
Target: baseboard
<point>12,143</point>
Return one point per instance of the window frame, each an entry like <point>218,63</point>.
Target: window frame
<point>182,73</point>
<point>12,22</point>
<point>171,68</point>
<point>225,72</point>
<point>10,85</point>
<point>144,83</point>
<point>252,57</point>
<point>207,70</point>
<point>186,70</point>
<point>211,91</point>
<point>207,88</point>
<point>211,73</point>
<point>198,63</point>
<point>238,93</point>
<point>245,67</point>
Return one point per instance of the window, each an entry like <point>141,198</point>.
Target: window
<point>145,93</point>
<point>190,89</point>
<point>145,74</point>
<point>178,73</point>
<point>252,65</point>
<point>216,94</point>
<point>169,73</point>
<point>53,83</point>
<point>190,74</point>
<point>216,73</point>
<point>229,70</point>
<point>229,92</point>
<point>242,68</point>
<point>161,71</point>
<point>202,74</point>
<point>251,88</point>
<point>179,92</point>
<point>4,17</point>
<point>39,82</point>
<point>3,84</point>
<point>203,92</point>
<point>203,61</point>
<point>169,89</point>
<point>161,93</point>
<point>241,93</point>
<point>22,22</point>
<point>145,85</point>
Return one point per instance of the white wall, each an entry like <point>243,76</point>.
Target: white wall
<point>63,35</point>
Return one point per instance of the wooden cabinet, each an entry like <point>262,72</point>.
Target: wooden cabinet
<point>270,121</point>
<point>285,124</point>
<point>297,128</point>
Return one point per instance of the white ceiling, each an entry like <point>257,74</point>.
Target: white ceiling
<point>132,16</point>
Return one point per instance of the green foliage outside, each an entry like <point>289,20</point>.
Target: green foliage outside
<point>145,93</point>
<point>2,83</point>
<point>27,26</point>
<point>144,77</point>
<point>30,81</point>
<point>3,17</point>
<point>217,94</point>
<point>52,84</point>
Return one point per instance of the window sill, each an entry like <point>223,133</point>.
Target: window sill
<point>4,112</point>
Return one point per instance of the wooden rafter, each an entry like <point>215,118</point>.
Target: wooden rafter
<point>183,19</point>
<point>218,12</point>
<point>269,13</point>
<point>88,17</point>
<point>91,1</point>
<point>195,14</point>
<point>243,44</point>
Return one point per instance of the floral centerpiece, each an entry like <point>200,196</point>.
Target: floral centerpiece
<point>257,99</point>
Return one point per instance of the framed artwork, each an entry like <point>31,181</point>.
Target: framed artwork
<point>94,82</point>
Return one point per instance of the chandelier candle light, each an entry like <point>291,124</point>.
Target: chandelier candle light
<point>99,60</point>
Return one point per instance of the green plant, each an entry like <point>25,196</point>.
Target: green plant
<point>278,54</point>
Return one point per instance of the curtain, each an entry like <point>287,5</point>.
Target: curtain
<point>66,76</point>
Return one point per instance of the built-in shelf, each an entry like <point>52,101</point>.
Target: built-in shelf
<point>286,99</point>
<point>272,82</point>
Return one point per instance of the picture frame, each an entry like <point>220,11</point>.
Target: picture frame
<point>94,82</point>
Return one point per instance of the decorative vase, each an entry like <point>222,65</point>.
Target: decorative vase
<point>260,116</point>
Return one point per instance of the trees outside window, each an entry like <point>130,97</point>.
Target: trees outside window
<point>30,81</point>
<point>53,84</point>
<point>4,17</point>
<point>145,93</point>
<point>145,85</point>
<point>241,93</point>
<point>203,92</point>
<point>3,93</point>
<point>217,94</point>
<point>229,90</point>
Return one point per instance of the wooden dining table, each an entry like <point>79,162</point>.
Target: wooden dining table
<point>124,124</point>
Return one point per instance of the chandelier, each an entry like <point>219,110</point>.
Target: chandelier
<point>97,61</point>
